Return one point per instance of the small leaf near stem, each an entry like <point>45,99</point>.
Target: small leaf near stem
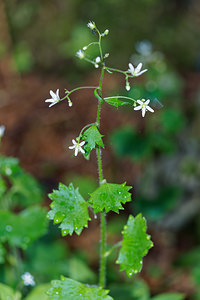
<point>115,246</point>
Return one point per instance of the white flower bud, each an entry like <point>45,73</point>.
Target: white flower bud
<point>98,59</point>
<point>106,32</point>
<point>85,48</point>
<point>128,86</point>
<point>96,66</point>
<point>106,55</point>
<point>69,103</point>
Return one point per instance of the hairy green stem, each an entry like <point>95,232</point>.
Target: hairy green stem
<point>102,274</point>
<point>102,271</point>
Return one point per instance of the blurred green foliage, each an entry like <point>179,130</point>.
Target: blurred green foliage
<point>158,137</point>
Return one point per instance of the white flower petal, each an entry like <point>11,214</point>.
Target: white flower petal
<point>150,109</point>
<point>143,111</point>
<point>49,100</point>
<point>76,151</point>
<point>72,147</point>
<point>57,94</point>
<point>52,94</point>
<point>140,73</point>
<point>131,68</point>
<point>82,143</point>
<point>52,104</point>
<point>147,102</point>
<point>81,150</point>
<point>140,102</point>
<point>74,142</point>
<point>138,107</point>
<point>138,68</point>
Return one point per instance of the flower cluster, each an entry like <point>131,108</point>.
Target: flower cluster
<point>132,71</point>
<point>28,279</point>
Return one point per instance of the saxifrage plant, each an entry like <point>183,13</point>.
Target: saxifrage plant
<point>70,209</point>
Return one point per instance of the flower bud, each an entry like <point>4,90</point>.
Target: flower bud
<point>97,59</point>
<point>128,86</point>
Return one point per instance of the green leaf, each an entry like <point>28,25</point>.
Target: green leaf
<point>116,101</point>
<point>79,270</point>
<point>135,245</point>
<point>2,254</point>
<point>7,293</point>
<point>8,165</point>
<point>138,290</point>
<point>68,289</point>
<point>2,187</point>
<point>109,196</point>
<point>126,142</point>
<point>92,138</point>
<point>39,292</point>
<point>69,208</point>
<point>169,296</point>
<point>38,256</point>
<point>23,188</point>
<point>22,229</point>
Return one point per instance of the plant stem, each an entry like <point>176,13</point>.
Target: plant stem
<point>102,274</point>
<point>102,271</point>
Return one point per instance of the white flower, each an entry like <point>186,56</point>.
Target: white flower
<point>97,59</point>
<point>137,70</point>
<point>28,279</point>
<point>143,105</point>
<point>80,54</point>
<point>77,147</point>
<point>91,25</point>
<point>54,98</point>
<point>2,130</point>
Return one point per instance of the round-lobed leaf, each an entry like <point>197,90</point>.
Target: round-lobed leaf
<point>69,289</point>
<point>135,245</point>
<point>92,138</point>
<point>110,196</point>
<point>68,208</point>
